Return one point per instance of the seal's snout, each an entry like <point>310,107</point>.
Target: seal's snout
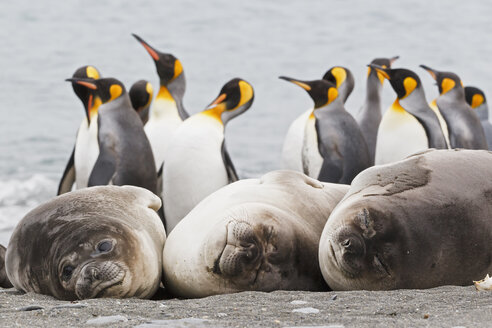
<point>348,251</point>
<point>96,277</point>
<point>352,245</point>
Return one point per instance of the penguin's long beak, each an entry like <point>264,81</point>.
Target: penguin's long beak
<point>152,52</point>
<point>393,59</point>
<point>383,71</point>
<point>431,71</point>
<point>86,83</point>
<point>220,99</point>
<point>300,83</point>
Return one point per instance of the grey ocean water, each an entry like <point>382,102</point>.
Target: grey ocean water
<point>43,42</point>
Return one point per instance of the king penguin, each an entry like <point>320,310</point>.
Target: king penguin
<point>334,149</point>
<point>476,99</point>
<point>141,94</point>
<point>369,115</point>
<point>197,163</point>
<point>293,143</point>
<point>125,156</point>
<point>167,111</point>
<point>465,130</point>
<point>409,125</point>
<point>86,148</point>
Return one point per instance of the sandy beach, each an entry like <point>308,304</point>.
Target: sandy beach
<point>447,306</point>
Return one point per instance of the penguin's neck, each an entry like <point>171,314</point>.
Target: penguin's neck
<point>374,89</point>
<point>415,100</point>
<point>177,89</point>
<point>456,94</point>
<point>214,114</point>
<point>119,104</point>
<point>482,112</point>
<point>165,106</point>
<point>335,106</point>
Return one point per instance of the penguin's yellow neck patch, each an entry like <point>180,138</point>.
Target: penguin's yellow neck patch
<point>477,100</point>
<point>92,72</point>
<point>332,95</point>
<point>164,94</point>
<point>115,91</point>
<point>311,116</point>
<point>340,75</point>
<point>94,104</point>
<point>409,84</point>
<point>433,105</point>
<point>447,84</point>
<point>246,92</point>
<point>215,112</point>
<point>397,107</point>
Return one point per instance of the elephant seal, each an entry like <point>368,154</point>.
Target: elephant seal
<point>254,234</point>
<point>101,241</point>
<point>421,222</point>
<point>4,280</point>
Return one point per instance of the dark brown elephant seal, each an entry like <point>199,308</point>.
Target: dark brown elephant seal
<point>254,234</point>
<point>94,242</point>
<point>418,223</point>
<point>4,280</point>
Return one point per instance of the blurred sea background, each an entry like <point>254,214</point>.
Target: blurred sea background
<point>44,42</point>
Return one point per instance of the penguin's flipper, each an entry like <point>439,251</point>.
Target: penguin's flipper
<point>182,111</point>
<point>68,177</point>
<point>160,182</point>
<point>231,171</point>
<point>330,172</point>
<point>104,168</point>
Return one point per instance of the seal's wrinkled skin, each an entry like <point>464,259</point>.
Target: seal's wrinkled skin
<point>4,280</point>
<point>94,242</point>
<point>255,234</point>
<point>421,222</point>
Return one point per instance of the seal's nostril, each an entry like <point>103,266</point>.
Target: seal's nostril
<point>95,274</point>
<point>346,243</point>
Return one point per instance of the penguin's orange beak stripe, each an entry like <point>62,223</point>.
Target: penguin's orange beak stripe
<point>87,84</point>
<point>151,51</point>
<point>218,100</point>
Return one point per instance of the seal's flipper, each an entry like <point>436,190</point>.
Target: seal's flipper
<point>68,177</point>
<point>231,171</point>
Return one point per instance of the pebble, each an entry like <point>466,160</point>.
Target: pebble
<point>330,326</point>
<point>99,321</point>
<point>306,310</point>
<point>31,308</point>
<point>334,297</point>
<point>297,302</point>
<point>221,315</point>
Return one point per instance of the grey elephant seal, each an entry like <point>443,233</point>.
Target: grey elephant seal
<point>418,223</point>
<point>95,242</point>
<point>4,280</point>
<point>254,234</point>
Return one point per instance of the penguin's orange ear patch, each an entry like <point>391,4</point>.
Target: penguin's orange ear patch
<point>332,94</point>
<point>115,91</point>
<point>447,84</point>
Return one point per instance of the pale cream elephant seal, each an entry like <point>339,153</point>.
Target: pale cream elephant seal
<point>254,234</point>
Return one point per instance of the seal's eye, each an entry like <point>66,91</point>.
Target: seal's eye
<point>67,272</point>
<point>104,246</point>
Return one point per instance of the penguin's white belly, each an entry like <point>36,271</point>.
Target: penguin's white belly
<point>163,122</point>
<point>194,167</point>
<point>311,158</point>
<point>442,122</point>
<point>293,143</point>
<point>400,134</point>
<point>86,152</point>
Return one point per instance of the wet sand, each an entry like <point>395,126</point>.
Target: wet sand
<point>447,306</point>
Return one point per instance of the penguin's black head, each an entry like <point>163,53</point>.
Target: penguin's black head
<point>235,97</point>
<point>403,81</point>
<point>322,92</point>
<point>141,94</point>
<point>445,80</point>
<point>168,67</point>
<point>84,94</point>
<point>382,62</point>
<point>106,89</point>
<point>342,78</point>
<point>474,97</point>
